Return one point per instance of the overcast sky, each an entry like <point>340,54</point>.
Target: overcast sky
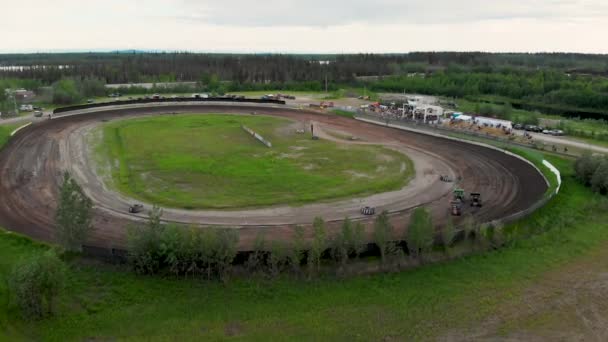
<point>331,26</point>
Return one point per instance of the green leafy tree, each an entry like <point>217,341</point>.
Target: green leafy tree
<point>357,242</point>
<point>277,258</point>
<point>208,248</point>
<point>340,243</point>
<point>73,215</point>
<point>420,232</point>
<point>174,248</point>
<point>599,180</point>
<point>470,228</point>
<point>144,243</point>
<point>35,283</point>
<point>65,91</point>
<point>319,244</point>
<point>296,250</point>
<point>255,260</point>
<point>448,233</point>
<point>585,167</point>
<point>225,252</point>
<point>91,86</point>
<point>383,236</point>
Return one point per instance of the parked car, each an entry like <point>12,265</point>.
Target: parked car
<point>546,131</point>
<point>38,113</point>
<point>557,132</point>
<point>518,126</point>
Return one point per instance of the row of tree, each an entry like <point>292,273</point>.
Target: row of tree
<point>74,90</point>
<point>211,253</point>
<point>592,170</point>
<point>124,67</point>
<point>542,86</point>
<point>557,82</point>
<point>154,247</point>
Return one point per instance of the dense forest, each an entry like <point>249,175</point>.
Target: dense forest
<point>570,84</point>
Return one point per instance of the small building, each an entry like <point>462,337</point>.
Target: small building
<point>22,94</point>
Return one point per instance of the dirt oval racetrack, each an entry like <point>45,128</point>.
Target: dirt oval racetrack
<point>32,164</point>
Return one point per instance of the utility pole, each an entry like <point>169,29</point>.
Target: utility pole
<point>326,82</point>
<point>15,103</point>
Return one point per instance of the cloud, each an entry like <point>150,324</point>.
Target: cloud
<point>327,13</point>
<point>286,26</point>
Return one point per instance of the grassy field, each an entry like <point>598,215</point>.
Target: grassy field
<point>5,132</point>
<point>209,161</point>
<point>103,302</point>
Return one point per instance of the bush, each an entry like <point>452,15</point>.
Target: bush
<point>585,166</point>
<point>599,180</point>
<point>35,283</point>
<point>592,171</point>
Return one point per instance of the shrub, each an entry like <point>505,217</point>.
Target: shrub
<point>593,171</point>
<point>35,283</point>
<point>585,167</point>
<point>599,180</point>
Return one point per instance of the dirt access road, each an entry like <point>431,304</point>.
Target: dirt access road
<point>33,161</point>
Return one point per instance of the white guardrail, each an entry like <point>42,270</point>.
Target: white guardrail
<point>557,174</point>
<point>20,128</point>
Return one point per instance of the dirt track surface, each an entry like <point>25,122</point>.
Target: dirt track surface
<point>33,161</point>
